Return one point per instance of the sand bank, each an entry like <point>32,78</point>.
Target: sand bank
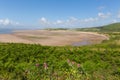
<point>52,38</point>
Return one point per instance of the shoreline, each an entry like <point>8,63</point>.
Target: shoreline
<point>53,37</point>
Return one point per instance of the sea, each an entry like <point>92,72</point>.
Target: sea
<point>11,30</point>
<point>5,30</point>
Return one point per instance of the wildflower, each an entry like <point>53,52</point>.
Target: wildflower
<point>45,65</point>
<point>73,62</point>
<point>68,61</point>
<point>37,65</point>
<point>78,65</point>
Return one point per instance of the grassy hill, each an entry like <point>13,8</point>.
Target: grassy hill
<point>109,28</point>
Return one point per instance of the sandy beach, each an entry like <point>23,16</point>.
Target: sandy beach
<point>52,38</point>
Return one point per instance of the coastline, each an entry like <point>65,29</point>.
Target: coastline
<point>53,37</point>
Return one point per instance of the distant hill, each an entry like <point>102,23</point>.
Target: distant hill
<point>109,28</point>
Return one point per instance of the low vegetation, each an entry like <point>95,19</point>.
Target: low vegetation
<point>108,28</point>
<point>36,62</point>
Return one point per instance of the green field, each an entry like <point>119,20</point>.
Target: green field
<point>107,28</point>
<point>36,62</point>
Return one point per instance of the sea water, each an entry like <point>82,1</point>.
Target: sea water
<point>5,31</point>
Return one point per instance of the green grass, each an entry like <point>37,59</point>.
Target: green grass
<point>36,62</point>
<point>111,27</point>
<point>107,28</point>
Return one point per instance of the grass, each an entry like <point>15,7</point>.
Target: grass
<point>107,28</point>
<point>36,62</point>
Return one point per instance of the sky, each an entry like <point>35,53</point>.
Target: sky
<point>58,13</point>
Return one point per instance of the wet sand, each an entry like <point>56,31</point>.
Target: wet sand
<point>53,38</point>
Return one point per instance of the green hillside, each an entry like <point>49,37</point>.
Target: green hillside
<point>111,27</point>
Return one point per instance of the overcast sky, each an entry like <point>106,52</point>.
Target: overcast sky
<point>58,13</point>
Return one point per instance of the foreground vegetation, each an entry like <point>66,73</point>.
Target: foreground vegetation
<point>36,62</point>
